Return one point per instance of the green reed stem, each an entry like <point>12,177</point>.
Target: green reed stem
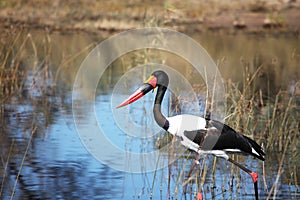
<point>279,172</point>
<point>6,164</point>
<point>22,163</point>
<point>154,176</point>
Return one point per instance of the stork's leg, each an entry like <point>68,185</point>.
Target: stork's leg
<point>189,176</point>
<point>253,175</point>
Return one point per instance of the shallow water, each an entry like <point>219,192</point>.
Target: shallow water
<point>43,151</point>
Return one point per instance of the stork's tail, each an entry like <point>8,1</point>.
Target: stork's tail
<point>257,150</point>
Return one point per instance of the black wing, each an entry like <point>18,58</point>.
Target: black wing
<point>197,136</point>
<point>206,139</point>
<point>230,139</point>
<point>219,136</point>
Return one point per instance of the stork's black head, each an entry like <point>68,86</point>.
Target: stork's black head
<point>162,78</point>
<point>157,78</point>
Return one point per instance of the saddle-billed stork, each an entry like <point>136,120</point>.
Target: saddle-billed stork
<point>201,135</point>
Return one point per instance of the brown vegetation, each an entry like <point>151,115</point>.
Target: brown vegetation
<point>250,15</point>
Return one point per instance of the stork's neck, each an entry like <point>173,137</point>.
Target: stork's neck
<point>158,116</point>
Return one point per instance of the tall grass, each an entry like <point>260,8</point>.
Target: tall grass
<point>28,90</point>
<point>269,120</point>
<point>13,77</point>
<point>272,121</point>
<point>11,72</point>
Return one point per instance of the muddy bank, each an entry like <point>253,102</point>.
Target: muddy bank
<point>251,16</point>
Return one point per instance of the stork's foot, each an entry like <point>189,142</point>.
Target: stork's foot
<point>199,196</point>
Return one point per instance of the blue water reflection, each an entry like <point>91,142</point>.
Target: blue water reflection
<point>57,166</point>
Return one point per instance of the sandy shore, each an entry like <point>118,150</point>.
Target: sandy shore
<point>251,16</point>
